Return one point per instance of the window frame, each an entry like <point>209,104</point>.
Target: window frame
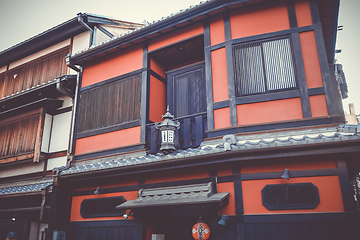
<point>261,41</point>
<point>111,127</point>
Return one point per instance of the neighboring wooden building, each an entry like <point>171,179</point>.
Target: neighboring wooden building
<point>252,84</point>
<point>36,99</point>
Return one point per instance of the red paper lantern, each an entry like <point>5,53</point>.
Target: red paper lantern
<point>201,231</point>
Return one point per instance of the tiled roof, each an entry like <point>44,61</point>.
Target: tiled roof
<point>26,188</point>
<point>29,89</point>
<point>179,195</point>
<point>272,140</point>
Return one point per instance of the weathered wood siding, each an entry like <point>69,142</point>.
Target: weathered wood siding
<point>33,74</point>
<point>19,136</point>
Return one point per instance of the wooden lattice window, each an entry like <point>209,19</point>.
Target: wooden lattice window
<point>264,66</point>
<point>290,196</point>
<point>101,207</point>
<point>21,137</point>
<point>110,104</point>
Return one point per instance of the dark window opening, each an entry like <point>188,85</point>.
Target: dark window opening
<point>290,196</point>
<point>110,104</point>
<point>264,66</point>
<point>101,207</point>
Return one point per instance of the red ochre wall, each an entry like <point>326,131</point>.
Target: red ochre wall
<point>176,36</point>
<point>329,186</point>
<point>107,141</point>
<point>329,194</point>
<point>252,21</point>
<point>157,98</point>
<point>126,61</point>
<point>76,204</point>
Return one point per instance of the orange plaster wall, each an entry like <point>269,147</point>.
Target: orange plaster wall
<point>109,140</point>
<point>121,182</point>
<point>230,208</point>
<point>222,118</point>
<point>217,31</point>
<point>156,67</point>
<point>177,175</point>
<point>311,60</point>
<point>271,111</point>
<point>176,36</point>
<point>305,164</point>
<point>318,106</point>
<point>255,21</point>
<point>219,75</point>
<point>157,99</point>
<point>76,204</point>
<point>329,193</point>
<point>127,61</point>
<point>303,14</point>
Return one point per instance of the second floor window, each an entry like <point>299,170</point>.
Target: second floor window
<point>264,66</point>
<point>110,104</point>
<point>188,90</point>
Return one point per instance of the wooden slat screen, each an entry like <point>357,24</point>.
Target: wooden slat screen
<point>189,93</point>
<point>19,136</point>
<point>34,74</point>
<point>110,104</point>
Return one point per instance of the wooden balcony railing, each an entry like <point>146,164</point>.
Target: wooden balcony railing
<point>191,133</point>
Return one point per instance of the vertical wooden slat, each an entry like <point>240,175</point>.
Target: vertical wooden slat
<point>199,130</point>
<point>39,134</point>
<point>186,132</point>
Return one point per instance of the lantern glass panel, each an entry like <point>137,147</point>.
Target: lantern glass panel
<point>171,136</point>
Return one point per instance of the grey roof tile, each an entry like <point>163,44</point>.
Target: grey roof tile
<point>36,187</point>
<point>243,143</point>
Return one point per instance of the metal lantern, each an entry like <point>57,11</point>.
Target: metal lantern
<point>167,132</point>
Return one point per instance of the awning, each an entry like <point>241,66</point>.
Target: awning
<point>173,196</point>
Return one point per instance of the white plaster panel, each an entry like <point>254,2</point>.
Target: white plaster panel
<point>34,230</point>
<point>80,42</point>
<point>42,228</point>
<point>40,53</point>
<point>100,36</point>
<point>46,133</point>
<point>68,102</point>
<point>60,132</point>
<point>3,69</point>
<point>56,162</point>
<point>20,169</point>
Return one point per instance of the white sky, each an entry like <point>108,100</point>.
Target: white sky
<point>22,19</point>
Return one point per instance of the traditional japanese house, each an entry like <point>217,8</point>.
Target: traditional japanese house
<point>36,99</point>
<point>261,152</point>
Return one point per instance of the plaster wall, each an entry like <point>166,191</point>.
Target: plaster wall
<point>60,132</point>
<point>21,169</point>
<point>56,162</point>
<point>40,53</point>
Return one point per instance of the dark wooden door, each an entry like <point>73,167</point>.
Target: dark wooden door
<point>186,91</point>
